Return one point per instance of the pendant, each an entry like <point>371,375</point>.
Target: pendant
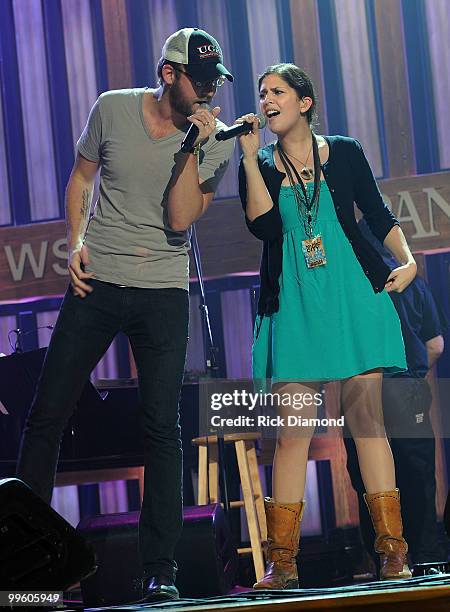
<point>314,252</point>
<point>307,174</point>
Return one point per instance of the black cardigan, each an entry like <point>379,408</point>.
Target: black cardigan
<point>350,180</point>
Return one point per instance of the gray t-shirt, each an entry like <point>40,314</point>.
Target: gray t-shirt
<point>128,237</point>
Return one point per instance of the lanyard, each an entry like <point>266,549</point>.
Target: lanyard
<point>312,205</point>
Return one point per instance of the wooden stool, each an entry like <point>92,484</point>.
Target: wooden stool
<point>103,475</point>
<point>253,502</point>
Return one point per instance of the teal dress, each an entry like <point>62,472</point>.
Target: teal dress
<point>330,324</point>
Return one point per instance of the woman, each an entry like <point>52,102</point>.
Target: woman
<point>323,312</point>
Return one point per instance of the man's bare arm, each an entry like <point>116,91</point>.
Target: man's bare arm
<point>78,204</point>
<point>186,199</point>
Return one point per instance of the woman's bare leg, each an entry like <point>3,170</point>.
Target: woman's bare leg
<point>361,399</point>
<point>291,451</point>
<point>362,402</point>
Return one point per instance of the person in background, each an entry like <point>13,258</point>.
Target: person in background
<point>323,312</point>
<point>129,272</point>
<point>406,404</point>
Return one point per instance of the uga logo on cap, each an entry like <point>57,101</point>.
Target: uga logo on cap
<point>208,50</point>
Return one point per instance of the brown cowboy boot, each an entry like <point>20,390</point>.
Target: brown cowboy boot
<point>283,532</point>
<point>384,509</point>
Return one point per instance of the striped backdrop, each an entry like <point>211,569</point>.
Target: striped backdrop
<point>381,68</point>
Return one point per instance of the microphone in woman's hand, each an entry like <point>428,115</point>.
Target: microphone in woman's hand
<point>240,128</point>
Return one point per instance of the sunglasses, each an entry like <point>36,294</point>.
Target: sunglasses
<point>203,84</point>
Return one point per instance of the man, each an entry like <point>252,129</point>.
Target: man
<point>128,267</point>
<point>406,407</point>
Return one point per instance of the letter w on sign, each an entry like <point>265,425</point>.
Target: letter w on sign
<point>26,252</point>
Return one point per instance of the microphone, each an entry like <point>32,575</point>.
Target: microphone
<point>191,134</point>
<point>240,128</point>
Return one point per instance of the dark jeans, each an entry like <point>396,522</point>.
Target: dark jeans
<point>406,407</point>
<point>156,323</point>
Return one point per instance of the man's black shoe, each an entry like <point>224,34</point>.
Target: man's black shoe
<point>158,588</point>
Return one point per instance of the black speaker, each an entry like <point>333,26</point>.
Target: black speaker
<point>447,515</point>
<point>206,556</point>
<point>38,548</point>
<point>206,553</point>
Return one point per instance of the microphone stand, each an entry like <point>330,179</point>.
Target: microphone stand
<point>211,367</point>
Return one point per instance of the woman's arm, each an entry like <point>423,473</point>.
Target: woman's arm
<point>258,200</point>
<point>367,195</point>
<point>262,218</point>
<point>399,278</point>
<point>381,221</point>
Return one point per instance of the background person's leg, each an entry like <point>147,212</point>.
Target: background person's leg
<point>414,448</point>
<point>365,523</point>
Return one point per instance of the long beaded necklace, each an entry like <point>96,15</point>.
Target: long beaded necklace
<point>307,208</point>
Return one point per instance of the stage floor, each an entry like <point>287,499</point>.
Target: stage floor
<point>424,594</point>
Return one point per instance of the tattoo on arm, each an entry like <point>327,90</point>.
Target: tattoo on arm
<point>85,203</point>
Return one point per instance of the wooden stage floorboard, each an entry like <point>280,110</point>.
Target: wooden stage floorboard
<point>424,594</point>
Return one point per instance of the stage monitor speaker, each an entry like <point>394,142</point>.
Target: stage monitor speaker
<point>206,556</point>
<point>38,548</point>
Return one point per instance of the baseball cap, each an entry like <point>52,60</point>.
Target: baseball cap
<point>197,50</point>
